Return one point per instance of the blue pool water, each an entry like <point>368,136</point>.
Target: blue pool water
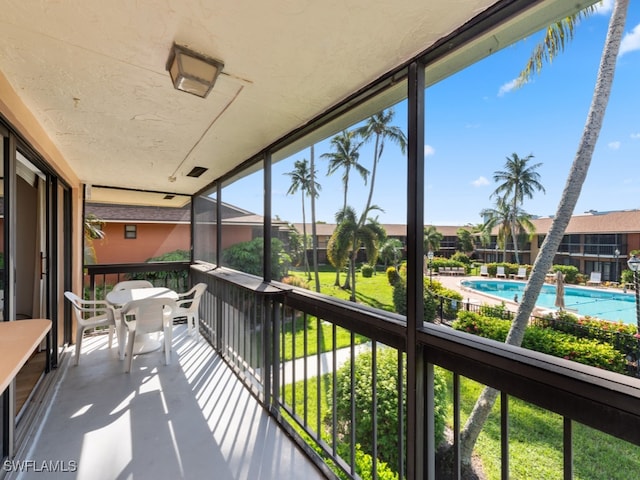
<point>583,301</point>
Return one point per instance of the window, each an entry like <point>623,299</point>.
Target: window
<point>130,231</point>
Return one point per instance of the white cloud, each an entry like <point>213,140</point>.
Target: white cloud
<point>429,150</point>
<point>614,145</point>
<point>635,136</point>
<point>630,42</point>
<point>604,7</point>
<point>507,87</point>
<point>480,181</point>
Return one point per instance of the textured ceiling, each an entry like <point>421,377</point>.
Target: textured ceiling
<point>94,74</point>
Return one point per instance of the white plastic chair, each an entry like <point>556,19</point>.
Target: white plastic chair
<point>484,271</point>
<point>500,272</point>
<point>595,279</point>
<point>129,284</point>
<point>148,316</point>
<point>187,306</point>
<point>522,273</point>
<point>91,314</point>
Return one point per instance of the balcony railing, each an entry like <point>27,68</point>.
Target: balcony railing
<point>296,351</point>
<point>262,327</point>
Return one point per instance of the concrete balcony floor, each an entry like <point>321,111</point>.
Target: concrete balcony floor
<point>190,419</point>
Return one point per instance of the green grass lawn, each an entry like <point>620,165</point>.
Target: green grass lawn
<point>535,443</point>
<point>295,339</point>
<point>374,291</point>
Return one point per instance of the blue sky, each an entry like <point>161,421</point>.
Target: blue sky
<point>475,119</point>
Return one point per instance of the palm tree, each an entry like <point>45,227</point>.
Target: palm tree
<point>345,156</point>
<point>499,217</point>
<point>517,181</point>
<point>508,221</point>
<point>301,180</point>
<point>432,239</point>
<point>313,193</point>
<point>348,238</point>
<point>565,209</point>
<point>377,127</point>
<point>92,231</point>
<point>391,252</point>
<point>465,240</point>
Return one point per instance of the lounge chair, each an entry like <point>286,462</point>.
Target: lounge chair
<point>595,279</point>
<point>522,274</point>
<point>484,271</point>
<point>500,272</point>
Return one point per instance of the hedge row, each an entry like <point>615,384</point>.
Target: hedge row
<point>545,340</point>
<point>620,336</point>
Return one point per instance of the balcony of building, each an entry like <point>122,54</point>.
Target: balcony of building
<point>88,115</point>
<point>189,419</point>
<point>227,404</point>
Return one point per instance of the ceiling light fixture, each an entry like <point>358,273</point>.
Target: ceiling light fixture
<point>193,72</point>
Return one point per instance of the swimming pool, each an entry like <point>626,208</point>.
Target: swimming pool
<point>583,301</point>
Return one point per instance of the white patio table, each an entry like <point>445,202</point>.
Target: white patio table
<point>148,342</point>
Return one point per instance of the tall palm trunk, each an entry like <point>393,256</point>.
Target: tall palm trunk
<point>566,206</point>
<point>376,158</point>
<point>304,239</point>
<point>314,234</point>
<point>514,237</point>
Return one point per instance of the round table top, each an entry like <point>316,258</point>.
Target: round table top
<point>121,297</point>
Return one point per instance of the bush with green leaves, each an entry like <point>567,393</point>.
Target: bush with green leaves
<point>451,300</point>
<point>619,335</point>
<point>545,340</point>
<point>626,276</point>
<point>386,371</point>
<point>496,311</point>
<point>439,263</point>
<point>430,302</point>
<point>172,279</point>
<point>509,268</point>
<point>364,465</point>
<point>366,270</point>
<point>569,271</point>
<point>247,257</point>
<point>296,281</point>
<point>461,258</point>
<point>392,275</point>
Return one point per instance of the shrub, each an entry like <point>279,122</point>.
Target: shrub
<point>296,281</point>
<point>461,258</point>
<point>247,257</point>
<point>438,263</point>
<point>617,334</point>
<point>569,271</point>
<point>176,280</point>
<point>430,302</point>
<point>364,465</point>
<point>392,275</point>
<point>450,300</point>
<point>544,340</point>
<point>626,276</point>
<point>387,404</point>
<point>367,270</point>
<point>496,311</point>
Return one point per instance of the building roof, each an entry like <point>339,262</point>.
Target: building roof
<point>112,213</point>
<point>622,221</point>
